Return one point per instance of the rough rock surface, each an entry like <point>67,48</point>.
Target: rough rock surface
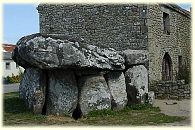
<point>132,95</point>
<point>117,86</point>
<point>94,94</point>
<point>32,89</point>
<point>46,53</point>
<point>86,72</point>
<point>137,83</point>
<point>133,57</point>
<point>151,97</point>
<point>62,92</point>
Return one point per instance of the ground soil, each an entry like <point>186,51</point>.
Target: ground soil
<point>176,108</point>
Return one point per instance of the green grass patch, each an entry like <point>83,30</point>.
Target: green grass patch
<point>133,115</point>
<point>15,113</point>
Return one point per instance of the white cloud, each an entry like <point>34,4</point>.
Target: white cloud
<point>185,6</point>
<point>36,5</point>
<point>188,9</point>
<point>6,42</point>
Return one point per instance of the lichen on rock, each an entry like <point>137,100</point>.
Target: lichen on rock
<point>117,86</point>
<point>94,94</point>
<point>48,53</point>
<point>32,89</point>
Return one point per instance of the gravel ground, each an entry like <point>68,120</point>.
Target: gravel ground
<point>176,108</point>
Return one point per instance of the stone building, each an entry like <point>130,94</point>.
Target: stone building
<point>162,29</point>
<point>9,67</point>
<point>169,42</point>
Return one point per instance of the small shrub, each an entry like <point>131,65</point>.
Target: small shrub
<point>15,79</point>
<point>184,74</point>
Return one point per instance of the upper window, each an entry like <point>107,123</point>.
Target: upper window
<point>166,23</point>
<point>7,66</point>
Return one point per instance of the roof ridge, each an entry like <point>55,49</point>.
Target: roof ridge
<point>178,9</point>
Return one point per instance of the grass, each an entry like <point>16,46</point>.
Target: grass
<point>134,115</point>
<point>15,113</point>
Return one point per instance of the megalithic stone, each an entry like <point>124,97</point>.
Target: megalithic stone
<point>94,94</point>
<point>62,92</point>
<point>32,89</point>
<point>48,53</point>
<point>117,86</point>
<point>135,57</point>
<point>137,84</point>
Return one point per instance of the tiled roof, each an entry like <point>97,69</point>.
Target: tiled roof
<point>8,47</point>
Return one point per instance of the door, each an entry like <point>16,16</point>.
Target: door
<point>166,67</point>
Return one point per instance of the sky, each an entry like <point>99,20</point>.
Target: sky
<point>19,20</point>
<point>185,6</point>
<point>23,19</point>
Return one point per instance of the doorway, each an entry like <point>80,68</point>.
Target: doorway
<point>166,67</point>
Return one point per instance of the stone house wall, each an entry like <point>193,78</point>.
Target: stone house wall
<point>118,26</point>
<point>176,44</point>
<point>122,27</point>
<point>172,90</point>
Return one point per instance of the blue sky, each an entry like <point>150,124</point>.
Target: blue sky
<point>185,6</point>
<point>19,20</point>
<point>23,19</point>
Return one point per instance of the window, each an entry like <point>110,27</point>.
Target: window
<point>166,67</point>
<point>7,66</point>
<point>166,23</point>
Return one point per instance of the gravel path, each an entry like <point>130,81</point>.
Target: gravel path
<point>176,108</point>
<point>7,88</point>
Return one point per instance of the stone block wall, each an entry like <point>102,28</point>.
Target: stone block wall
<point>172,90</point>
<point>176,44</point>
<point>121,26</point>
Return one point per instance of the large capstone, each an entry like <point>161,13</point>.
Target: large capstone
<point>94,94</point>
<point>47,53</point>
<point>32,89</point>
<point>62,92</point>
<point>137,84</point>
<point>135,57</point>
<point>117,86</point>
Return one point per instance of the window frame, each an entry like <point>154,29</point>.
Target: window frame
<point>166,23</point>
<point>8,65</point>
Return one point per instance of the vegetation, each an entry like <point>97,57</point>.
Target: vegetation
<point>15,113</point>
<point>184,74</point>
<point>15,79</point>
<point>137,115</point>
